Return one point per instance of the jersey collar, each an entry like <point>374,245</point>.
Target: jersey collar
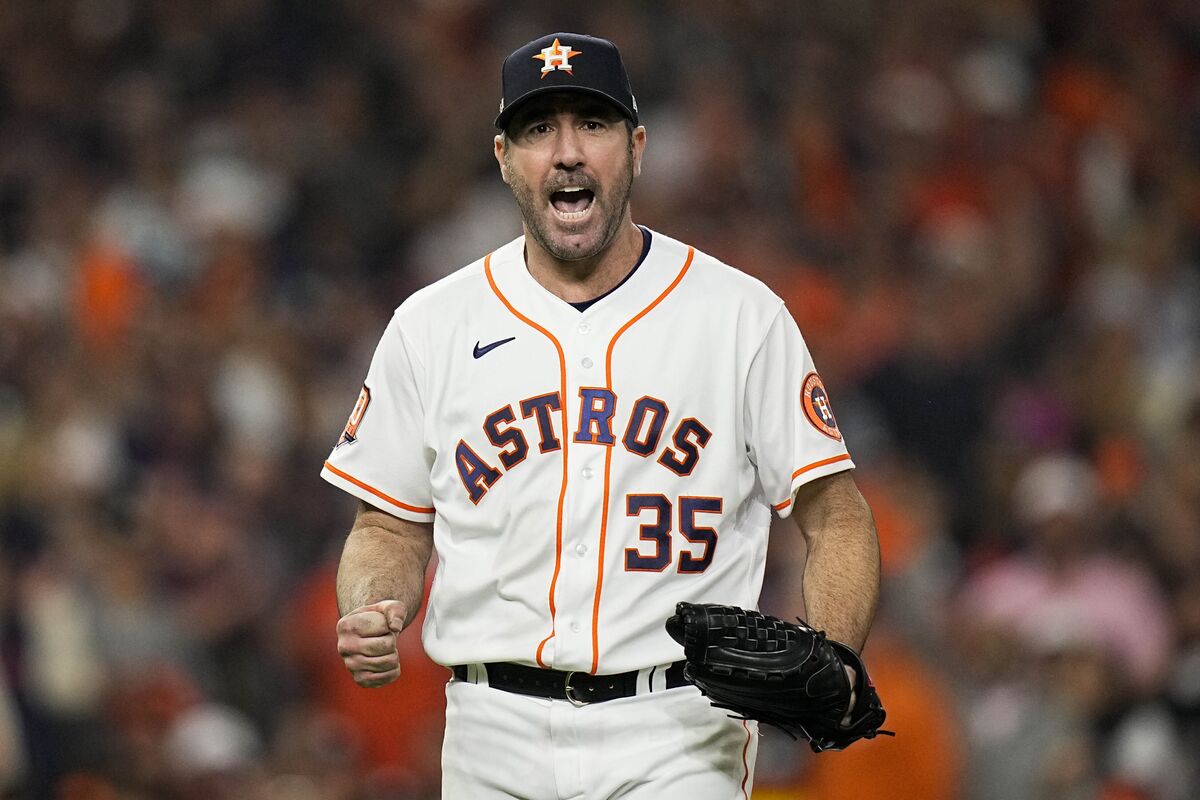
<point>659,266</point>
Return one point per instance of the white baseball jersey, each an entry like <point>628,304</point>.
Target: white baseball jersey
<point>586,471</point>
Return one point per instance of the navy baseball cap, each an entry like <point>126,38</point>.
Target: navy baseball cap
<point>565,62</point>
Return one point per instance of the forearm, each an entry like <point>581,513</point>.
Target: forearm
<point>384,559</point>
<point>841,577</point>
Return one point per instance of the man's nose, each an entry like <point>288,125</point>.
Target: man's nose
<point>568,149</point>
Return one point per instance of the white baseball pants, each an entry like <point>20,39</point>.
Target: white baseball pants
<point>668,745</point>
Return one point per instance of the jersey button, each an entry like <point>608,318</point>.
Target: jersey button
<point>574,627</point>
<point>587,363</point>
<point>581,550</point>
<point>584,328</point>
<point>587,472</point>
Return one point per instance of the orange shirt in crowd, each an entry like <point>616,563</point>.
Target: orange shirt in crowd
<point>925,757</point>
<point>400,725</point>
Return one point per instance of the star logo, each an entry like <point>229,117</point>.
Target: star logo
<point>557,56</point>
<point>815,402</point>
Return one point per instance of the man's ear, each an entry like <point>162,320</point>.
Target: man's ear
<point>639,147</point>
<point>499,145</point>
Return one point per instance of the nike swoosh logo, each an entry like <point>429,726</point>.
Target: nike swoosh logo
<point>480,352</point>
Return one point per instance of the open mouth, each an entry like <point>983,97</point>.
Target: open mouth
<point>572,203</point>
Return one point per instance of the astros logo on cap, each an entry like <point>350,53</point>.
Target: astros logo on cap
<point>557,56</point>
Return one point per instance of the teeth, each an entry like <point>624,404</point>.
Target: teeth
<point>571,216</point>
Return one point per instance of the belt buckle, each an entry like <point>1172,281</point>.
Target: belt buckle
<point>570,693</point>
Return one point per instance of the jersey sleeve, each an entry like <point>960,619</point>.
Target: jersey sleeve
<point>380,457</point>
<point>792,434</point>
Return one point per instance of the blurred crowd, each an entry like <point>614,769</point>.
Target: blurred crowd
<point>985,215</point>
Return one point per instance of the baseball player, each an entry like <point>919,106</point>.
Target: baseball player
<point>588,425</point>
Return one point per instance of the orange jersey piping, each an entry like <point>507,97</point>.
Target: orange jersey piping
<point>376,492</point>
<point>562,492</point>
<point>802,470</point>
<point>745,761</point>
<point>687,264</point>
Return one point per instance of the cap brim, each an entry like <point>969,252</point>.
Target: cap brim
<point>506,115</point>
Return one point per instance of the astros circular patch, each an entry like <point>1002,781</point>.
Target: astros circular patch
<point>815,401</point>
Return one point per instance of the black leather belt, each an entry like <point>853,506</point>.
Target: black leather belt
<point>579,688</point>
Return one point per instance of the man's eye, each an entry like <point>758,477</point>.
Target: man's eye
<point>593,125</point>
<point>540,127</point>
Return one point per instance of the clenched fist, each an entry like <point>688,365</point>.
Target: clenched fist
<point>367,642</point>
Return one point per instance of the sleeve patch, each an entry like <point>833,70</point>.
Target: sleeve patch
<point>350,432</point>
<point>815,402</point>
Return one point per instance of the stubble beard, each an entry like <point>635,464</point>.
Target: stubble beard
<point>614,202</point>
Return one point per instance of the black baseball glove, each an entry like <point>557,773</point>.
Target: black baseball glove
<point>785,674</point>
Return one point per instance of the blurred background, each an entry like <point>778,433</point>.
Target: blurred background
<point>985,216</point>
